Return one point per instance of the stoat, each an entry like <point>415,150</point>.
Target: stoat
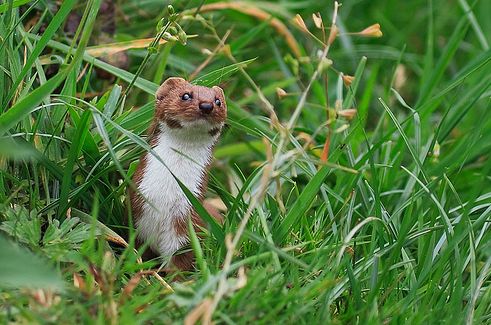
<point>187,123</point>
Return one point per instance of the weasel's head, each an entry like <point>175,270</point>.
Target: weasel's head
<point>182,105</point>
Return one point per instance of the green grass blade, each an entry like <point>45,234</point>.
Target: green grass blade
<point>53,26</point>
<point>29,104</point>
<point>215,77</point>
<point>405,138</point>
<point>73,154</point>
<point>15,4</point>
<point>299,208</point>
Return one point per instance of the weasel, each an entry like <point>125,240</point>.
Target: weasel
<point>187,123</point>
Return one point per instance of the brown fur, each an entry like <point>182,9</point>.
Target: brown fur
<point>183,261</point>
<point>135,199</point>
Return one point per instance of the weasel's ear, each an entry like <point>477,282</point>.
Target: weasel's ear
<point>167,86</point>
<point>220,94</point>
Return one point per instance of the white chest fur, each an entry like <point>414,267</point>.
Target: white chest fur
<point>186,154</point>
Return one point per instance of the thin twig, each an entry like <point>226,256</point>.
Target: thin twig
<point>210,57</point>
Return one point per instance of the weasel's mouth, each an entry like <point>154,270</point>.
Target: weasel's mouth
<point>196,125</point>
<point>202,119</point>
<point>195,121</point>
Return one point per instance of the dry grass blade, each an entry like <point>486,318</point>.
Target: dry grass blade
<point>198,312</point>
<point>135,280</point>
<point>254,11</point>
<point>210,57</point>
<point>112,48</point>
<point>131,285</point>
<point>79,282</point>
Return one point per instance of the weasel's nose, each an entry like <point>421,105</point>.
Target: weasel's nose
<point>206,107</point>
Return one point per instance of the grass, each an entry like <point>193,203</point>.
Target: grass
<point>380,217</point>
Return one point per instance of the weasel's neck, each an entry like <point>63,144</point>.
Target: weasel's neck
<point>185,154</point>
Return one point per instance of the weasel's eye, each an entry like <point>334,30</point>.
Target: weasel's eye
<point>186,96</point>
<point>218,102</point>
